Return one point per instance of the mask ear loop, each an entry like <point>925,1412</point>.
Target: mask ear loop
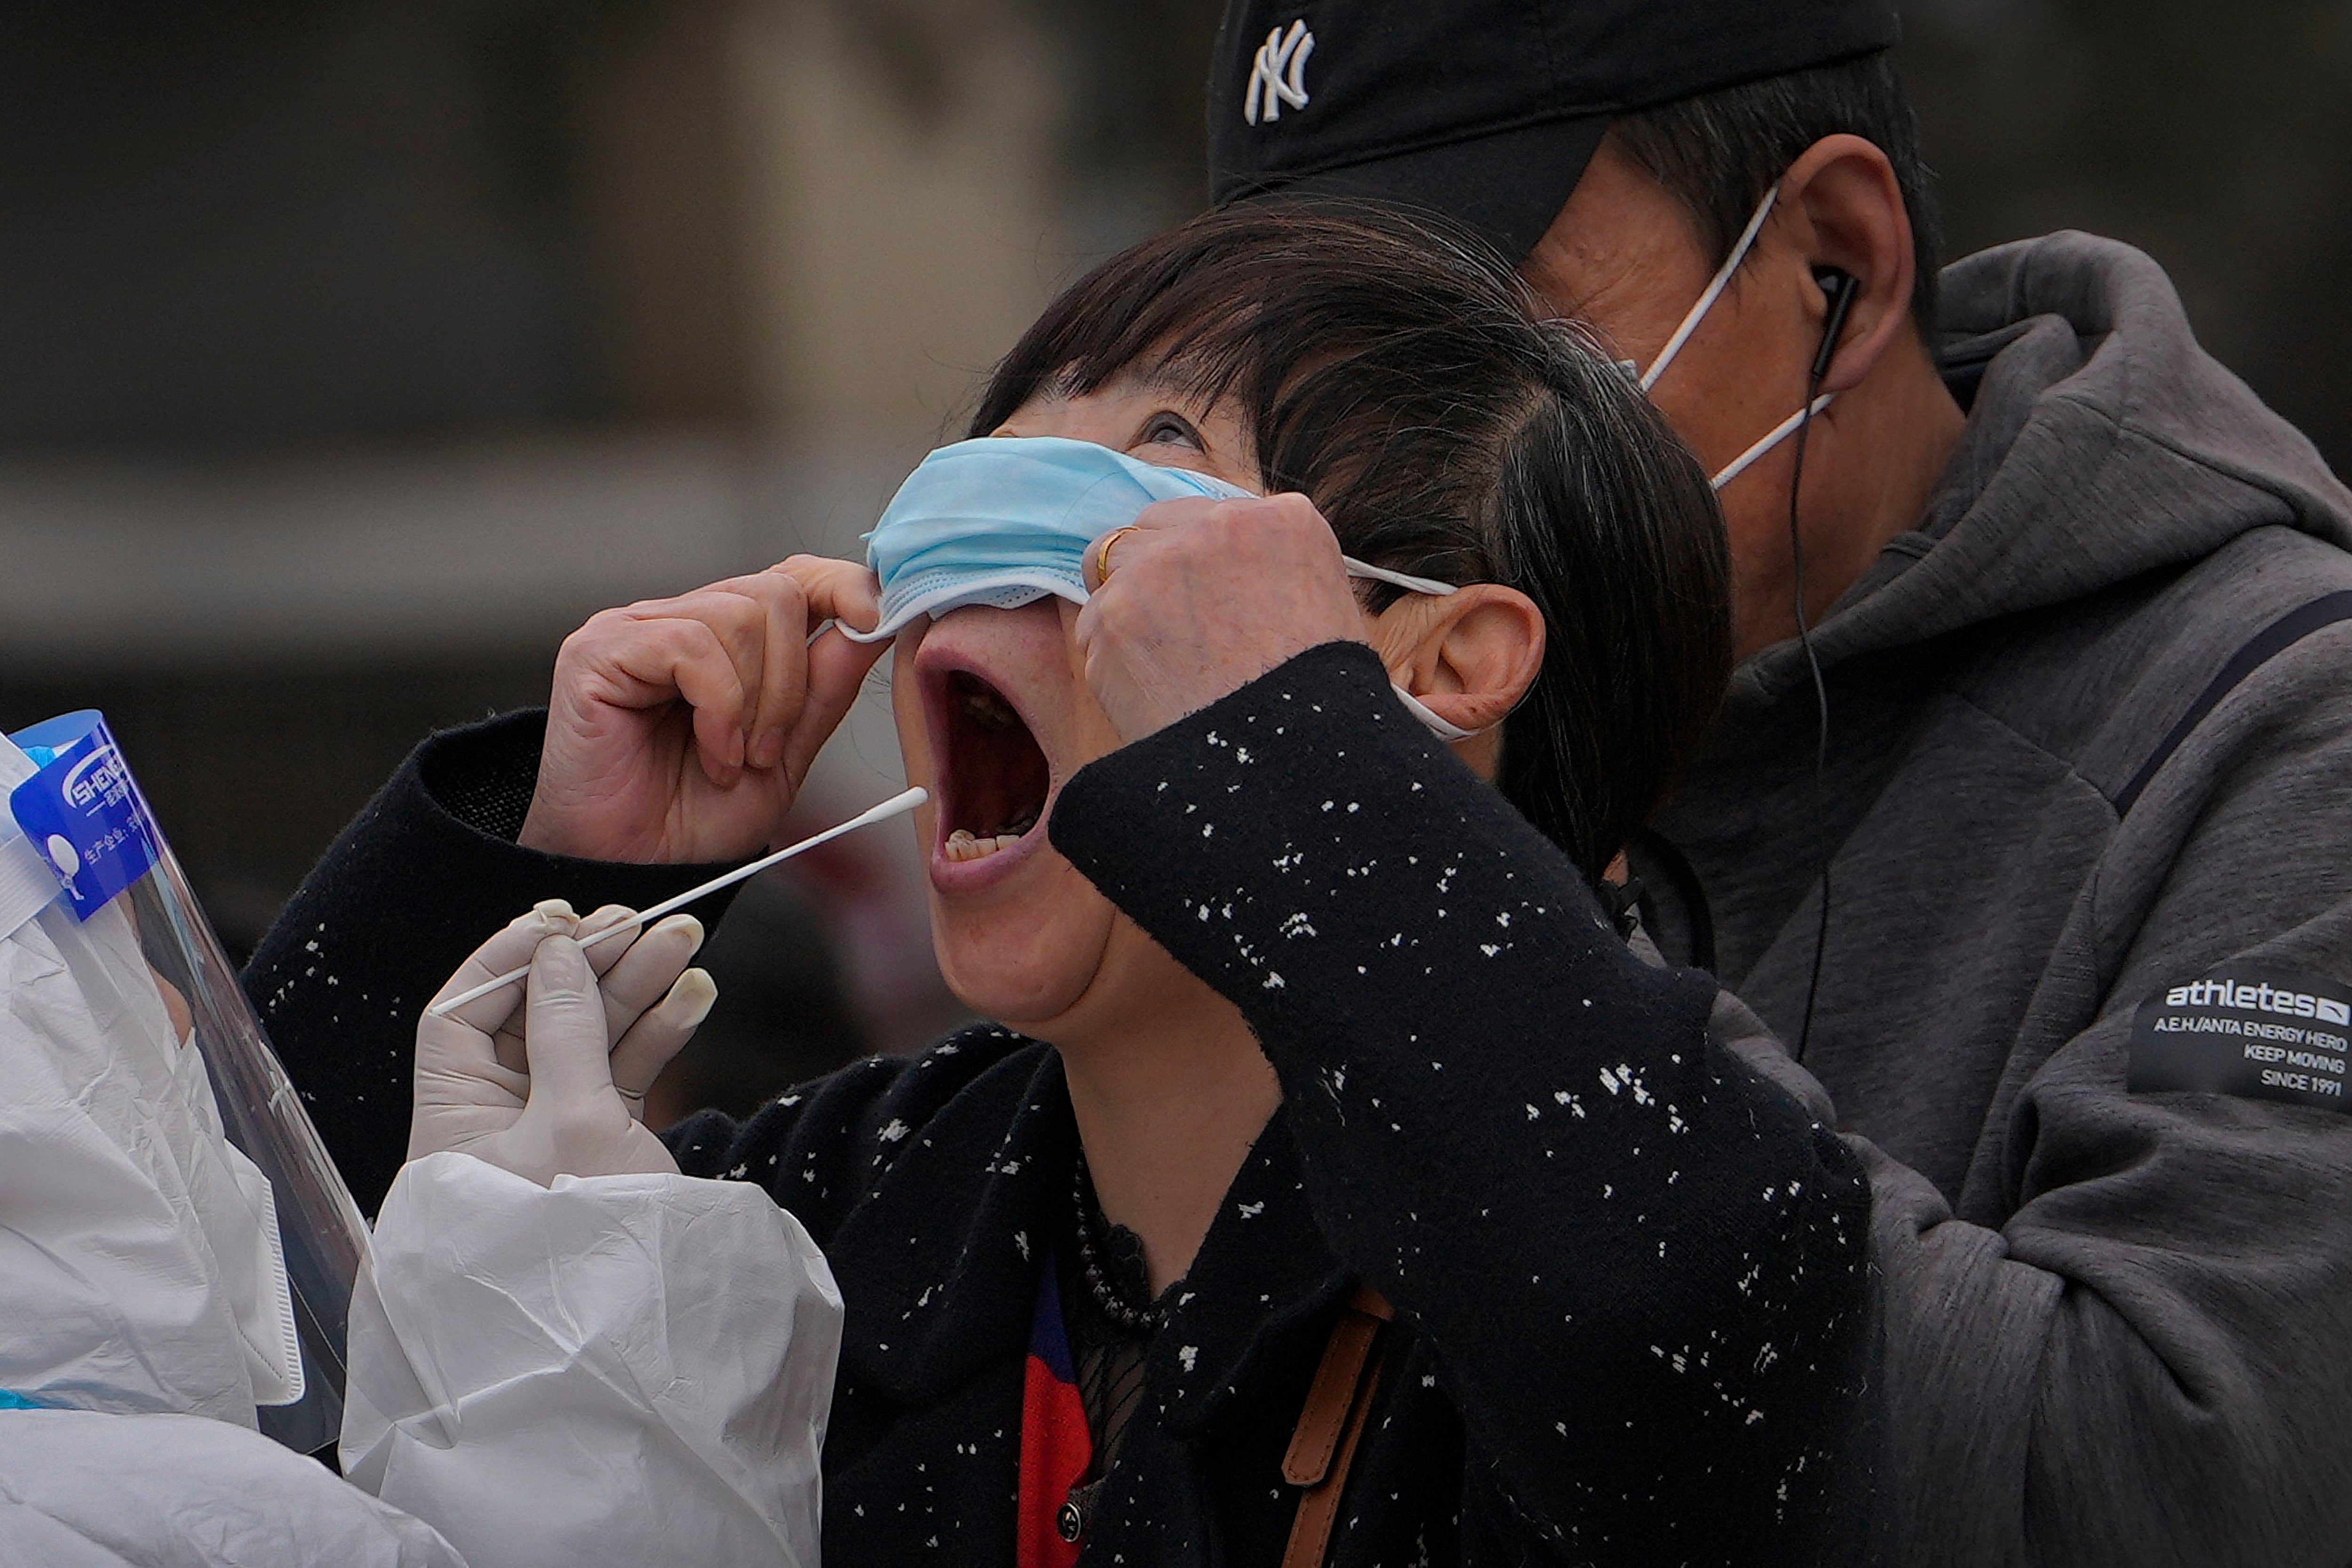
<point>1715,289</point>
<point>1698,313</point>
<point>1443,729</point>
<point>1405,580</point>
<point>1779,433</point>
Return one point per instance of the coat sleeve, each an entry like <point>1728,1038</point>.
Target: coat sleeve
<point>1642,1267</point>
<point>420,878</point>
<point>2133,1354</point>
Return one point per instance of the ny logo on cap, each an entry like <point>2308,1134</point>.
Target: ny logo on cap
<point>1278,75</point>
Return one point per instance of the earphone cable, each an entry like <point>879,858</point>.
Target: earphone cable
<point>1816,374</point>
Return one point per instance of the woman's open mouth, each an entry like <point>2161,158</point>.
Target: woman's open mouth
<point>995,781</point>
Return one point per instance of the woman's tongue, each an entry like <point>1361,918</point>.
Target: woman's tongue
<point>1001,777</point>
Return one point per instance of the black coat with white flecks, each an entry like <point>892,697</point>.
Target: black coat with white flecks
<point>1633,1314</point>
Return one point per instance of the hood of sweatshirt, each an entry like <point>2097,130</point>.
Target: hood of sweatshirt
<point>2102,442</point>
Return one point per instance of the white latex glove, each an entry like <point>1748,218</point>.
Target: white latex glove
<point>548,1077</point>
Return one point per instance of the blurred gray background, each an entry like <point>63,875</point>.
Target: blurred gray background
<point>353,351</point>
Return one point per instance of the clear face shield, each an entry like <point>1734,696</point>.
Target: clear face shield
<point>172,1234</point>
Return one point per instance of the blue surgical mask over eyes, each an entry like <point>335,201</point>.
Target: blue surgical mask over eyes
<point>1005,521</point>
<point>1646,379</point>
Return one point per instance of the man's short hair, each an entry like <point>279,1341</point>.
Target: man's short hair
<point>1718,153</point>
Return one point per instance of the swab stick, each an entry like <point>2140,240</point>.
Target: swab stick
<point>896,805</point>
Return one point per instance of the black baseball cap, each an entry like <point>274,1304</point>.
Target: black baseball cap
<point>1485,111</point>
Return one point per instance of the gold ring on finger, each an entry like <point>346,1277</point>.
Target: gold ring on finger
<point>1102,552</point>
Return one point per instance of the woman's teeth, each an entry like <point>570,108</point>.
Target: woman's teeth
<point>983,707</point>
<point>963,844</point>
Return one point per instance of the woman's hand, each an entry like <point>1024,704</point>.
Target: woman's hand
<point>1202,597</point>
<point>681,728</point>
<point>548,1076</point>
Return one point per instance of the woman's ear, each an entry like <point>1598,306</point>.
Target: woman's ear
<point>1469,656</point>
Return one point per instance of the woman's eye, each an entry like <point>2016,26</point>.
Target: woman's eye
<point>1170,429</point>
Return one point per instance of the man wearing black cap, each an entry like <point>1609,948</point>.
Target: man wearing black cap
<point>2025,828</point>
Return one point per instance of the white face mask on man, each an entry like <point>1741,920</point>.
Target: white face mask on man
<point>1689,325</point>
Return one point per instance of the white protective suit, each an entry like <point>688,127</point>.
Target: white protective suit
<point>142,1291</point>
<point>80,1490</point>
<point>617,1371</point>
<point>140,1267</point>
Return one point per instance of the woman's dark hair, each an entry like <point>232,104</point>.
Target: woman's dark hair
<point>1394,374</point>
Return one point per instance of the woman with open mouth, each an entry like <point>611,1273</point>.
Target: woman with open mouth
<point>1337,1179</point>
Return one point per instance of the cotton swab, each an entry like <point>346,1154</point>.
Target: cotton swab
<point>896,805</point>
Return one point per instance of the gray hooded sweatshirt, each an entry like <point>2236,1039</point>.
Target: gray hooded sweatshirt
<point>2061,780</point>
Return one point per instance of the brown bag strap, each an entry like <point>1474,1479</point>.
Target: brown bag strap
<point>1330,1423</point>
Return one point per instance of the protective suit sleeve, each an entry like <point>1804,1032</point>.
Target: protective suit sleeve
<point>411,887</point>
<point>615,1370</point>
<point>1511,1126</point>
<point>88,1489</point>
